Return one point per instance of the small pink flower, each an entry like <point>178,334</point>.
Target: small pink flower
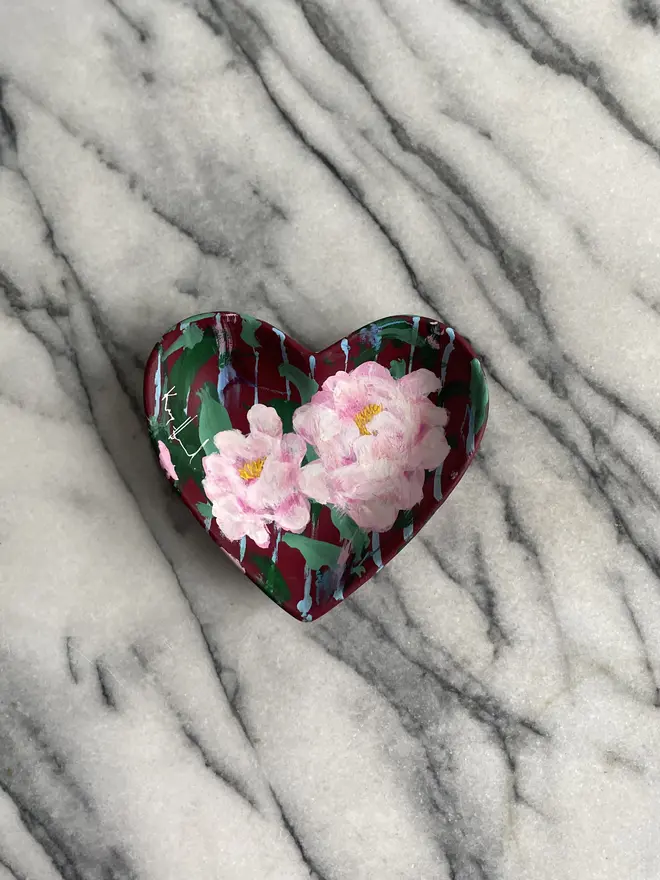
<point>165,460</point>
<point>375,436</point>
<point>253,479</point>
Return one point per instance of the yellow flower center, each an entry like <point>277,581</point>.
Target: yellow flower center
<point>251,470</point>
<point>365,415</point>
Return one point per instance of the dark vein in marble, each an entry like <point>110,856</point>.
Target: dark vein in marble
<point>44,835</point>
<point>138,29</point>
<point>106,685</point>
<point>72,665</point>
<point>643,12</point>
<point>642,641</point>
<point>87,142</point>
<point>557,55</point>
<point>303,851</point>
<point>11,870</point>
<point>249,48</point>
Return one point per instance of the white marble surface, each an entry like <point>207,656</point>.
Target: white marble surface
<point>488,707</point>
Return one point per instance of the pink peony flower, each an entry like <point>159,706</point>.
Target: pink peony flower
<point>165,459</point>
<point>375,436</point>
<point>253,479</point>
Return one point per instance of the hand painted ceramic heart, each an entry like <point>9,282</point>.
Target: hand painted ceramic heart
<point>312,470</point>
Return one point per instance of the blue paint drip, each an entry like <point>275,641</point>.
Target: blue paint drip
<point>225,376</point>
<point>345,347</point>
<point>207,523</point>
<point>256,374</point>
<point>284,358</point>
<point>278,538</point>
<point>469,446</point>
<point>407,532</point>
<point>242,548</point>
<point>375,547</point>
<point>312,365</point>
<point>414,342</point>
<point>338,594</point>
<point>158,386</point>
<point>437,484</point>
<point>306,602</point>
<point>446,353</point>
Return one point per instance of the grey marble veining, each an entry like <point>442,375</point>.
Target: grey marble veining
<point>487,708</point>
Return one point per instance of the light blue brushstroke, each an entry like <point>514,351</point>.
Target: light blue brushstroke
<point>437,484</point>
<point>256,374</point>
<point>157,384</point>
<point>415,323</point>
<point>276,548</point>
<point>446,353</point>
<point>469,446</point>
<point>242,549</point>
<point>225,376</point>
<point>207,523</point>
<point>345,347</point>
<point>371,335</point>
<point>312,365</point>
<point>339,593</point>
<point>284,358</point>
<point>375,547</point>
<point>306,602</point>
<point>407,532</point>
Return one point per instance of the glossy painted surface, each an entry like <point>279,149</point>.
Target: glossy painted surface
<point>207,373</point>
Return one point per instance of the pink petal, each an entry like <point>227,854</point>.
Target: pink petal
<point>372,370</point>
<point>260,535</point>
<point>314,482</point>
<point>410,489</point>
<point>232,444</point>
<point>431,450</point>
<point>419,383</point>
<point>293,448</point>
<point>165,459</point>
<point>294,514</point>
<point>374,516</point>
<point>435,415</point>
<point>232,521</point>
<point>278,480</point>
<point>264,420</point>
<point>221,474</point>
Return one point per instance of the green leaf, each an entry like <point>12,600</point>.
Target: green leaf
<point>213,418</point>
<point>310,454</point>
<point>249,326</point>
<point>400,334</point>
<point>305,384</point>
<point>478,394</point>
<point>316,553</point>
<point>285,410</point>
<point>404,519</point>
<point>273,583</point>
<point>184,371</point>
<point>157,431</point>
<point>189,338</point>
<point>315,509</point>
<point>398,368</point>
<point>349,530</point>
<point>366,354</point>
<point>205,509</point>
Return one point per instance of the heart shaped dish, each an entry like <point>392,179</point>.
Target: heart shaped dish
<point>311,470</point>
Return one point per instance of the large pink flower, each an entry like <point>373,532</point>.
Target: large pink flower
<point>374,436</point>
<point>253,479</point>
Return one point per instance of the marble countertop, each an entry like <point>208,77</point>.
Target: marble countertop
<point>487,708</point>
